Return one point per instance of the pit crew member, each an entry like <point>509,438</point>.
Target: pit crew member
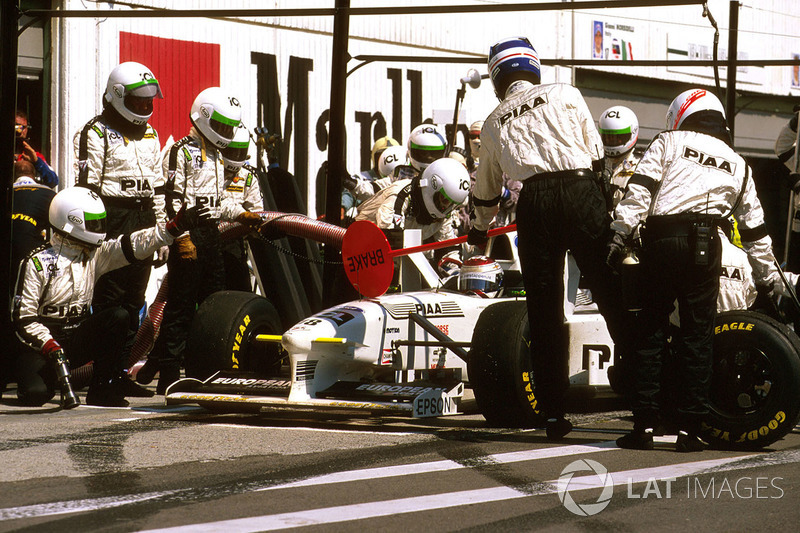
<point>688,179</point>
<point>118,156</point>
<point>545,137</point>
<point>244,194</point>
<point>619,130</point>
<point>425,202</point>
<point>194,173</point>
<point>54,291</point>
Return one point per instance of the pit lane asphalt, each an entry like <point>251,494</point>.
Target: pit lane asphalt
<point>151,466</point>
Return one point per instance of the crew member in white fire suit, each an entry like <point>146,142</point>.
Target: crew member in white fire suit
<point>118,156</point>
<point>785,150</point>
<point>426,143</point>
<point>193,173</point>
<point>426,202</point>
<point>545,137</point>
<point>619,130</point>
<point>54,291</point>
<point>243,193</point>
<point>688,179</point>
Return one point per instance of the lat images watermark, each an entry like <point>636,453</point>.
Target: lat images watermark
<point>593,475</point>
<point>566,486</point>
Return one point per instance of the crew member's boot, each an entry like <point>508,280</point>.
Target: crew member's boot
<point>167,376</point>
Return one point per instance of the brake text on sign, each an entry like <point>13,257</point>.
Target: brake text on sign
<point>367,259</point>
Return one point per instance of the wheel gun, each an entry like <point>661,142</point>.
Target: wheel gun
<point>69,399</point>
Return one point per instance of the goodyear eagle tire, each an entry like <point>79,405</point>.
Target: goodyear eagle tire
<point>223,331</point>
<point>755,385</point>
<point>499,366</point>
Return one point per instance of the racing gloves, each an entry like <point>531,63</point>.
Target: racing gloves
<point>477,237</point>
<point>249,219</point>
<point>616,251</point>
<point>186,248</point>
<point>187,219</point>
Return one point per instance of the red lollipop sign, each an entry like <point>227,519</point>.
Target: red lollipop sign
<point>368,257</point>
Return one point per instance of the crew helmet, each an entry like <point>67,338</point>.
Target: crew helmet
<point>216,114</point>
<point>480,274</point>
<point>130,90</point>
<point>390,159</point>
<point>510,60</point>
<point>444,185</point>
<point>619,129</point>
<point>235,154</point>
<point>690,102</point>
<point>475,138</point>
<point>377,149</point>
<point>79,213</point>
<point>426,144</point>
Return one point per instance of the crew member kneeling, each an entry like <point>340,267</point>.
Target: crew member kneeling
<point>54,291</point>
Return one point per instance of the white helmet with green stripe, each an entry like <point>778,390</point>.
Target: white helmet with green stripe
<point>426,144</point>
<point>445,185</point>
<point>235,154</point>
<point>130,90</point>
<point>216,114</point>
<point>79,213</point>
<point>619,129</point>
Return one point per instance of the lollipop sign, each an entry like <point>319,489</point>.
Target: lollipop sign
<point>368,258</point>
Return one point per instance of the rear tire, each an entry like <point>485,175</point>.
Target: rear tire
<point>755,385</point>
<point>222,335</point>
<point>500,368</point>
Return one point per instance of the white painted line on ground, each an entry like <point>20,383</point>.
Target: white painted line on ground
<point>77,506</point>
<point>441,466</point>
<point>318,430</point>
<point>349,513</point>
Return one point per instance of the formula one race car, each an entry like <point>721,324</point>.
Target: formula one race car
<point>414,352</point>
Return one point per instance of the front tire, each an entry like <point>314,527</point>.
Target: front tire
<point>500,368</point>
<point>222,335</point>
<point>755,385</point>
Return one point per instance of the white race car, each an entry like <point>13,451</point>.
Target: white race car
<point>414,352</point>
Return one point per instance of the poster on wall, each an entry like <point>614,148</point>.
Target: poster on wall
<point>612,40</point>
<point>597,40</point>
<point>796,73</point>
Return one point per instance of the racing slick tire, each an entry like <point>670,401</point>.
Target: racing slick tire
<point>754,397</point>
<point>500,368</point>
<point>222,335</point>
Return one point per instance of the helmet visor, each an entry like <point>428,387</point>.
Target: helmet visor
<point>443,202</point>
<point>236,151</point>
<point>426,154</point>
<point>140,105</point>
<point>403,172</point>
<point>615,138</point>
<point>222,125</point>
<point>477,284</point>
<point>148,88</point>
<point>95,222</point>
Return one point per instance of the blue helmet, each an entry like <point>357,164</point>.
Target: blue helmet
<point>511,60</point>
